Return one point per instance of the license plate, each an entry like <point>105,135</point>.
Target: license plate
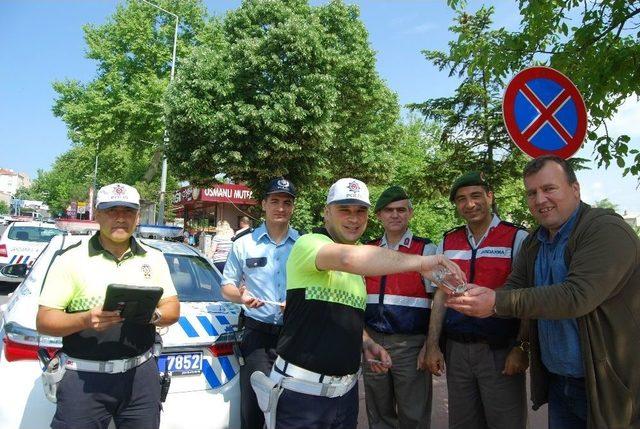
<point>181,363</point>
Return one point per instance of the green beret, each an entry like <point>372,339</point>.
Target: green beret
<point>390,195</point>
<point>475,178</point>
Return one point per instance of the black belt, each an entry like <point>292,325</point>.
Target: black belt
<point>265,328</point>
<point>466,338</point>
<point>495,343</point>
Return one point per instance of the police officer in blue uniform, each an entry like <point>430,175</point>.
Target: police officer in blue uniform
<point>255,276</point>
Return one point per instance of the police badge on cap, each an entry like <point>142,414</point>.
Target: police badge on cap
<point>349,191</point>
<point>117,195</point>
<point>280,185</point>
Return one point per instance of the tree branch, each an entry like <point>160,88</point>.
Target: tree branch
<point>612,26</point>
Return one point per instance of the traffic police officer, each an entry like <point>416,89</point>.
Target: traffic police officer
<point>111,373</point>
<point>320,346</point>
<point>254,275</point>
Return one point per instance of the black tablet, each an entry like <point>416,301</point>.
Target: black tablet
<point>136,303</point>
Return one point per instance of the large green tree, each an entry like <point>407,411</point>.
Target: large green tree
<point>120,113</point>
<point>283,88</point>
<point>473,133</point>
<point>418,147</point>
<point>72,174</point>
<point>420,151</point>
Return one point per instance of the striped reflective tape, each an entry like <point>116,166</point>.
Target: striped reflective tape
<point>207,325</point>
<point>407,301</point>
<point>187,327</point>
<point>204,325</point>
<point>220,370</point>
<point>482,252</point>
<point>210,375</point>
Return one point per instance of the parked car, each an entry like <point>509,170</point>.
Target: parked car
<point>22,242</point>
<point>199,350</point>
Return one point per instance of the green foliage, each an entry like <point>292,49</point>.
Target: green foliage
<point>4,208</point>
<point>415,153</point>
<point>416,150</point>
<point>511,203</point>
<point>283,88</point>
<point>473,133</point>
<point>119,114</point>
<point>309,209</point>
<point>30,193</point>
<point>71,176</point>
<point>606,204</point>
<point>597,45</point>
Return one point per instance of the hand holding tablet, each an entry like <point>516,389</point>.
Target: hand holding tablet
<point>135,303</point>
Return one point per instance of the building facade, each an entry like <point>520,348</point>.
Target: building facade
<point>204,207</point>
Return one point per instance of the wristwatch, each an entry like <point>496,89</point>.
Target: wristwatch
<point>157,315</point>
<point>523,345</point>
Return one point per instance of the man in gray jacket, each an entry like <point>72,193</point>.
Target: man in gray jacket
<point>578,274</point>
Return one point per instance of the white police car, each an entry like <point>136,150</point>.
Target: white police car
<point>22,242</point>
<point>198,349</point>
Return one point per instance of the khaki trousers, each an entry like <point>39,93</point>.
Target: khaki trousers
<point>401,398</point>
<point>480,396</point>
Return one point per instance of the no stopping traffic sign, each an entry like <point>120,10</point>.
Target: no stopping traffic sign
<point>544,113</point>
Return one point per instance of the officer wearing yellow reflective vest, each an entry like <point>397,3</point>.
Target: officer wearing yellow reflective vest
<point>111,373</point>
<point>313,382</point>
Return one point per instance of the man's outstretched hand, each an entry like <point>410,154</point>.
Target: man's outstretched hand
<point>477,301</point>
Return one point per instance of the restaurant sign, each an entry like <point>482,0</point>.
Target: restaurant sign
<point>221,193</point>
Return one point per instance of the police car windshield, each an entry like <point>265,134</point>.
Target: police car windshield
<point>195,280</point>
<point>33,233</point>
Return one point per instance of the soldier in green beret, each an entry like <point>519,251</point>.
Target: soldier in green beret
<point>397,317</point>
<point>486,358</point>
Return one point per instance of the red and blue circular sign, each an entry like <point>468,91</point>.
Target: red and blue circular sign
<point>544,113</point>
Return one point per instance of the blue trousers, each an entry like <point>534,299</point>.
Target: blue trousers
<point>299,411</point>
<point>89,400</point>
<point>567,403</point>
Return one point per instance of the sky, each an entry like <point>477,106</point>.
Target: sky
<point>44,42</point>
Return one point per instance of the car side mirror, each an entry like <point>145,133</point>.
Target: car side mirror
<point>15,270</point>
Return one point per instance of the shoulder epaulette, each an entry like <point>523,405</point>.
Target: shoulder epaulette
<point>425,240</point>
<point>242,234</point>
<point>453,229</point>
